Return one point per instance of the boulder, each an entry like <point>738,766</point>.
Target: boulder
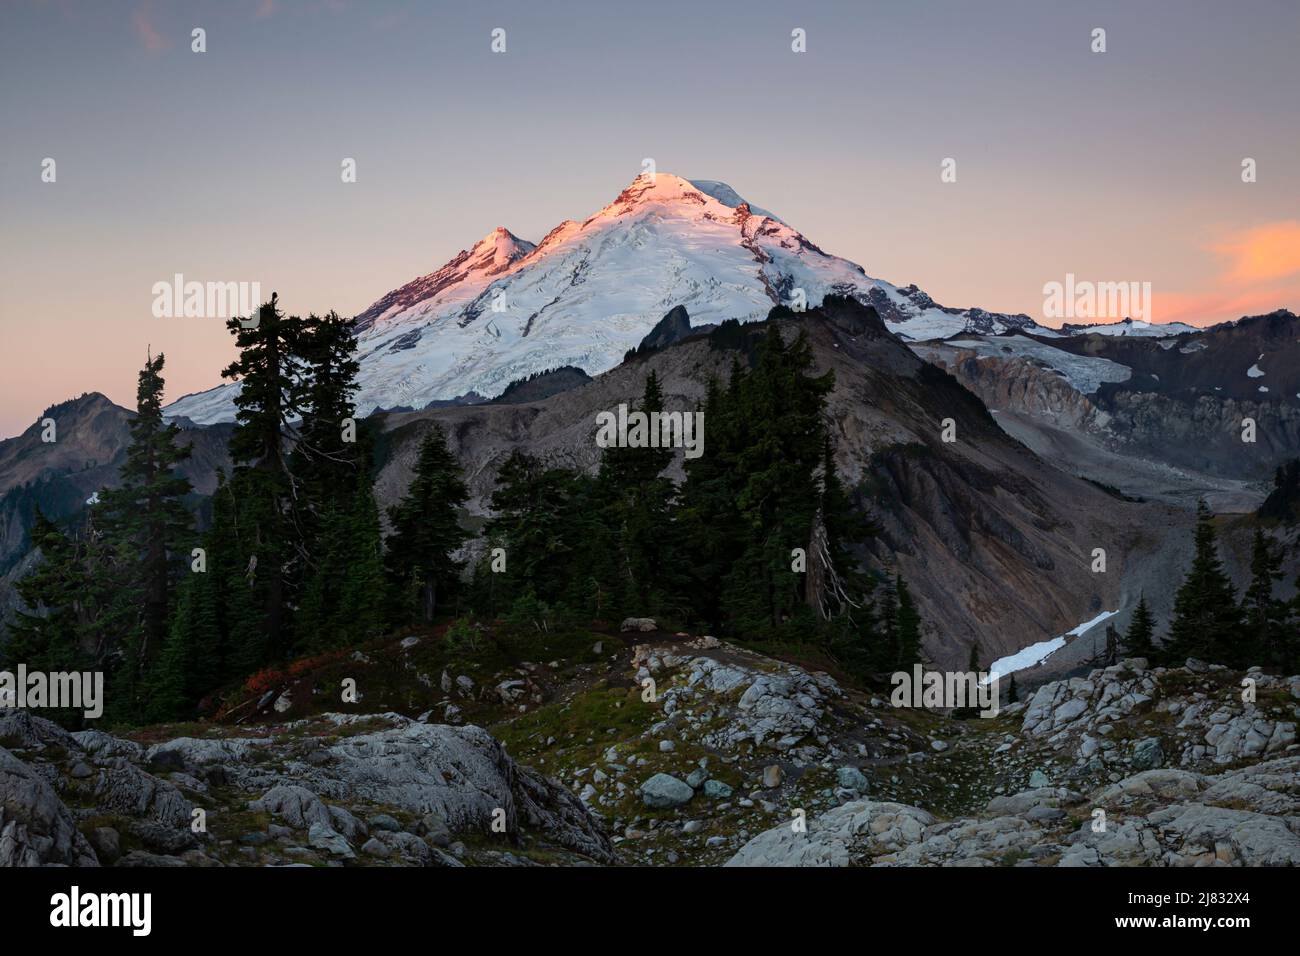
<point>663,791</point>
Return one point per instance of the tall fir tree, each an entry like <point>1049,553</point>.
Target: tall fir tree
<point>1207,621</point>
<point>267,536</point>
<point>146,514</point>
<point>777,415</point>
<point>426,528</point>
<point>342,593</point>
<point>635,501</point>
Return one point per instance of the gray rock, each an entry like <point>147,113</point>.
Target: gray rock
<point>851,778</point>
<point>107,843</point>
<point>36,829</point>
<point>1148,754</point>
<point>663,791</point>
<point>716,790</point>
<point>840,837</point>
<point>324,838</point>
<point>297,806</point>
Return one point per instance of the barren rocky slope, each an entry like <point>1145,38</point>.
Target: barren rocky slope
<point>996,543</point>
<point>1156,417</point>
<point>586,762</point>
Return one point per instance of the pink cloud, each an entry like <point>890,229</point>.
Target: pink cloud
<point>153,40</point>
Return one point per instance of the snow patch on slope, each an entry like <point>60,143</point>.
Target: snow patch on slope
<point>1037,653</point>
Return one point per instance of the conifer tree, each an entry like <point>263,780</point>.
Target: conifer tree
<point>1207,621</point>
<point>777,413</point>
<point>635,500</point>
<point>908,628</point>
<point>1265,617</point>
<point>330,456</point>
<point>146,515</point>
<point>268,539</point>
<point>1138,640</point>
<point>426,528</point>
<point>47,635</point>
<point>707,520</point>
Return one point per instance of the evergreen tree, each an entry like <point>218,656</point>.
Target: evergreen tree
<point>1013,694</point>
<point>426,529</point>
<point>75,616</point>
<point>836,583</point>
<point>342,581</point>
<point>543,519</point>
<point>707,522</point>
<point>146,514</point>
<point>1138,640</point>
<point>1265,617</point>
<point>908,630</point>
<point>267,536</point>
<point>48,634</point>
<point>330,456</point>
<point>775,457</point>
<point>635,502</point>
<point>191,662</point>
<point>1207,621</point>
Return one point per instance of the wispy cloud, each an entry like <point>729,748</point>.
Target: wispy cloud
<point>1271,251</point>
<point>1260,272</point>
<point>144,29</point>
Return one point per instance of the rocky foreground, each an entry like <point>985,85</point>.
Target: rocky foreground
<point>739,759</point>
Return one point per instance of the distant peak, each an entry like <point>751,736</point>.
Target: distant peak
<point>658,187</point>
<point>499,236</point>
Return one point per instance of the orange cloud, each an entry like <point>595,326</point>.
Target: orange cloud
<point>1218,305</point>
<point>1260,273</point>
<point>1270,251</point>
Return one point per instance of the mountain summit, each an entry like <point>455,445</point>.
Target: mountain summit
<point>589,291</point>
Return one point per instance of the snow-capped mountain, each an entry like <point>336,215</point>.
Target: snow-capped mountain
<point>1130,327</point>
<point>590,290</point>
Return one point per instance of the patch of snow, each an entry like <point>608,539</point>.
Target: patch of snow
<point>1037,653</point>
<point>1255,371</point>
